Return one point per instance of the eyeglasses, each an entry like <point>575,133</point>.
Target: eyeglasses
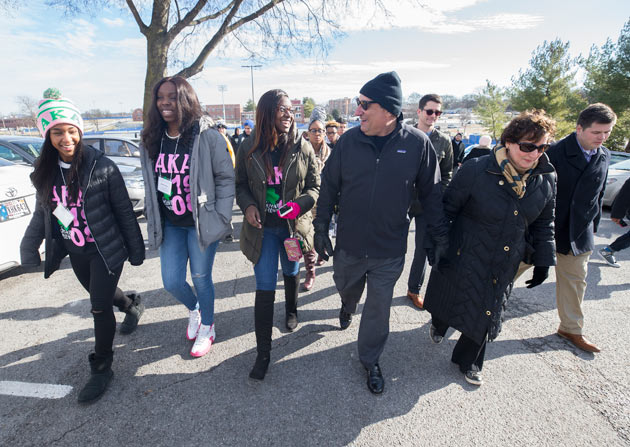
<point>284,110</point>
<point>364,104</point>
<point>316,131</point>
<point>431,112</point>
<point>531,147</point>
<point>331,132</point>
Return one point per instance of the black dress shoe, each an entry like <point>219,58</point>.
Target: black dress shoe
<point>345,318</point>
<point>375,381</point>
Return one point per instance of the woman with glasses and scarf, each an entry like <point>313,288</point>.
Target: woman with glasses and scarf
<point>189,192</point>
<point>501,210</point>
<point>277,184</point>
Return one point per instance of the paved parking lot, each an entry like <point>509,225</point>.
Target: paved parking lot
<point>539,390</point>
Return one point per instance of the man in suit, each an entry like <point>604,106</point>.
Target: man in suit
<point>581,163</point>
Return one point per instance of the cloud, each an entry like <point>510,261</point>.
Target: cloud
<point>117,22</point>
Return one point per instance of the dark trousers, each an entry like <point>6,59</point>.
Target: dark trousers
<point>419,263</point>
<point>350,275</point>
<point>621,243</point>
<point>104,293</point>
<point>466,352</point>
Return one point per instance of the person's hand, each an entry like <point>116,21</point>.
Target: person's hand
<point>323,245</point>
<point>293,214</point>
<point>539,276</point>
<point>438,252</point>
<point>253,216</point>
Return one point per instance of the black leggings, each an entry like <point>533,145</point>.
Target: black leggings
<point>466,352</point>
<point>104,293</point>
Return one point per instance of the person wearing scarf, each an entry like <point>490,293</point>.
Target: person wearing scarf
<point>501,208</point>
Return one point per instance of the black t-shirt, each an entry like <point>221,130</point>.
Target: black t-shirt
<point>173,163</point>
<point>273,200</point>
<point>77,237</point>
<point>379,142</point>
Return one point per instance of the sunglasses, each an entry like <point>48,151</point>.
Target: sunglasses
<point>531,147</point>
<point>431,112</point>
<point>283,110</point>
<point>364,104</point>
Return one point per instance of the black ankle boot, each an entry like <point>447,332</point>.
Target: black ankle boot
<point>133,314</point>
<point>263,321</point>
<point>291,284</point>
<point>102,374</point>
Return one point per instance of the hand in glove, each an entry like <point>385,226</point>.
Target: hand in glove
<point>438,252</point>
<point>540,274</point>
<point>322,244</point>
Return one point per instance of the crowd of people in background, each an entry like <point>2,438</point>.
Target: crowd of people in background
<point>482,218</point>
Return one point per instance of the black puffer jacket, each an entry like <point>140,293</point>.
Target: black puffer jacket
<point>109,215</point>
<point>487,241</point>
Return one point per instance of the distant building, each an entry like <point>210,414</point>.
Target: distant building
<point>298,110</point>
<point>137,115</point>
<point>247,116</point>
<point>343,106</point>
<point>233,112</point>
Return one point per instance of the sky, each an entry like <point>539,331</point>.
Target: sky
<point>445,46</point>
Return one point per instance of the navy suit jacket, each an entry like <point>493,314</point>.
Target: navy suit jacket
<point>580,194</point>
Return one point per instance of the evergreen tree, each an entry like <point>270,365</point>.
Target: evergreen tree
<point>491,106</point>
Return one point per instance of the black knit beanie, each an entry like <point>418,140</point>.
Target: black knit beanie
<point>385,89</point>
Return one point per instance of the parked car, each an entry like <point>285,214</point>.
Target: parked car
<point>618,173</point>
<point>20,149</point>
<point>119,150</point>
<point>17,204</point>
<point>24,150</point>
<point>616,157</point>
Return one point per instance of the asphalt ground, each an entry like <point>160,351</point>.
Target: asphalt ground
<point>539,389</point>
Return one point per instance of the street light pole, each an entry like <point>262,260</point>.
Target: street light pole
<point>223,89</point>
<point>251,69</point>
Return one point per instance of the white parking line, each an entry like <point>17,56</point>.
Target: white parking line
<point>40,390</point>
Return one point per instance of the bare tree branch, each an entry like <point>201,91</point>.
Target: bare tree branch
<point>213,15</point>
<point>179,15</point>
<point>134,12</point>
<point>183,23</point>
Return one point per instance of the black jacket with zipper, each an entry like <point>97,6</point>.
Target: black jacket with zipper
<point>374,191</point>
<point>109,215</point>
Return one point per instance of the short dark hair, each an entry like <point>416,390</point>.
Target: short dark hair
<point>342,120</point>
<point>430,97</point>
<point>528,125</point>
<point>596,113</point>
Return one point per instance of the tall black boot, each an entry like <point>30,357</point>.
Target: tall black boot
<point>263,321</point>
<point>291,284</point>
<point>133,314</point>
<point>101,368</point>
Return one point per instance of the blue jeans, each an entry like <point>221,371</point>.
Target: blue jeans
<point>266,269</point>
<point>178,246</point>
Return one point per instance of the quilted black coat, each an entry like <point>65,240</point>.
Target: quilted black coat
<point>109,214</point>
<point>491,232</point>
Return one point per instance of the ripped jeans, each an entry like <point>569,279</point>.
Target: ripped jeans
<point>179,245</point>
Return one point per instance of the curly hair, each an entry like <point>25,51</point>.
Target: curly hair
<point>528,125</point>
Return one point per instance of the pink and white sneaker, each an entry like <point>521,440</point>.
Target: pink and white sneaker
<point>205,338</point>
<point>194,321</point>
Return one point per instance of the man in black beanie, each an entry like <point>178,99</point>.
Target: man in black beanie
<point>371,175</point>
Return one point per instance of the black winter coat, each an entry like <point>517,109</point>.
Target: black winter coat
<point>374,191</point>
<point>621,205</point>
<point>580,194</point>
<point>109,215</point>
<point>487,241</point>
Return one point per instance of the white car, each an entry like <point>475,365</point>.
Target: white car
<point>17,204</point>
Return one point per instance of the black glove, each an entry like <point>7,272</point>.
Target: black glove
<point>437,253</point>
<point>322,244</point>
<point>540,274</point>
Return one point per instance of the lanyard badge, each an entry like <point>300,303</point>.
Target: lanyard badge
<point>165,186</point>
<point>64,216</point>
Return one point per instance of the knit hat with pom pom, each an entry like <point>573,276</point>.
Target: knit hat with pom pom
<point>55,109</point>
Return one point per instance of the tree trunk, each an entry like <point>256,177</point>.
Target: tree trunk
<point>157,59</point>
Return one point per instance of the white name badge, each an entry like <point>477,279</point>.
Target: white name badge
<point>164,185</point>
<point>65,217</point>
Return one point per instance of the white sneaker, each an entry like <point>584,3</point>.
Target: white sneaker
<point>194,321</point>
<point>204,341</point>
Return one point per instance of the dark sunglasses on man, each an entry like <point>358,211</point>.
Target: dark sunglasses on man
<point>531,147</point>
<point>431,112</point>
<point>364,104</point>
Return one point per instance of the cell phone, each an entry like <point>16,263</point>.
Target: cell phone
<point>284,210</point>
<point>623,223</point>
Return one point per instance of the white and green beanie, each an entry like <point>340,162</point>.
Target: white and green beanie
<point>54,109</point>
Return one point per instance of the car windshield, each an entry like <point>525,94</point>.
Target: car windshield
<point>4,162</point>
<point>33,148</point>
<point>622,165</point>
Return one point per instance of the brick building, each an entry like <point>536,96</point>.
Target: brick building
<point>136,115</point>
<point>343,105</point>
<point>232,112</point>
